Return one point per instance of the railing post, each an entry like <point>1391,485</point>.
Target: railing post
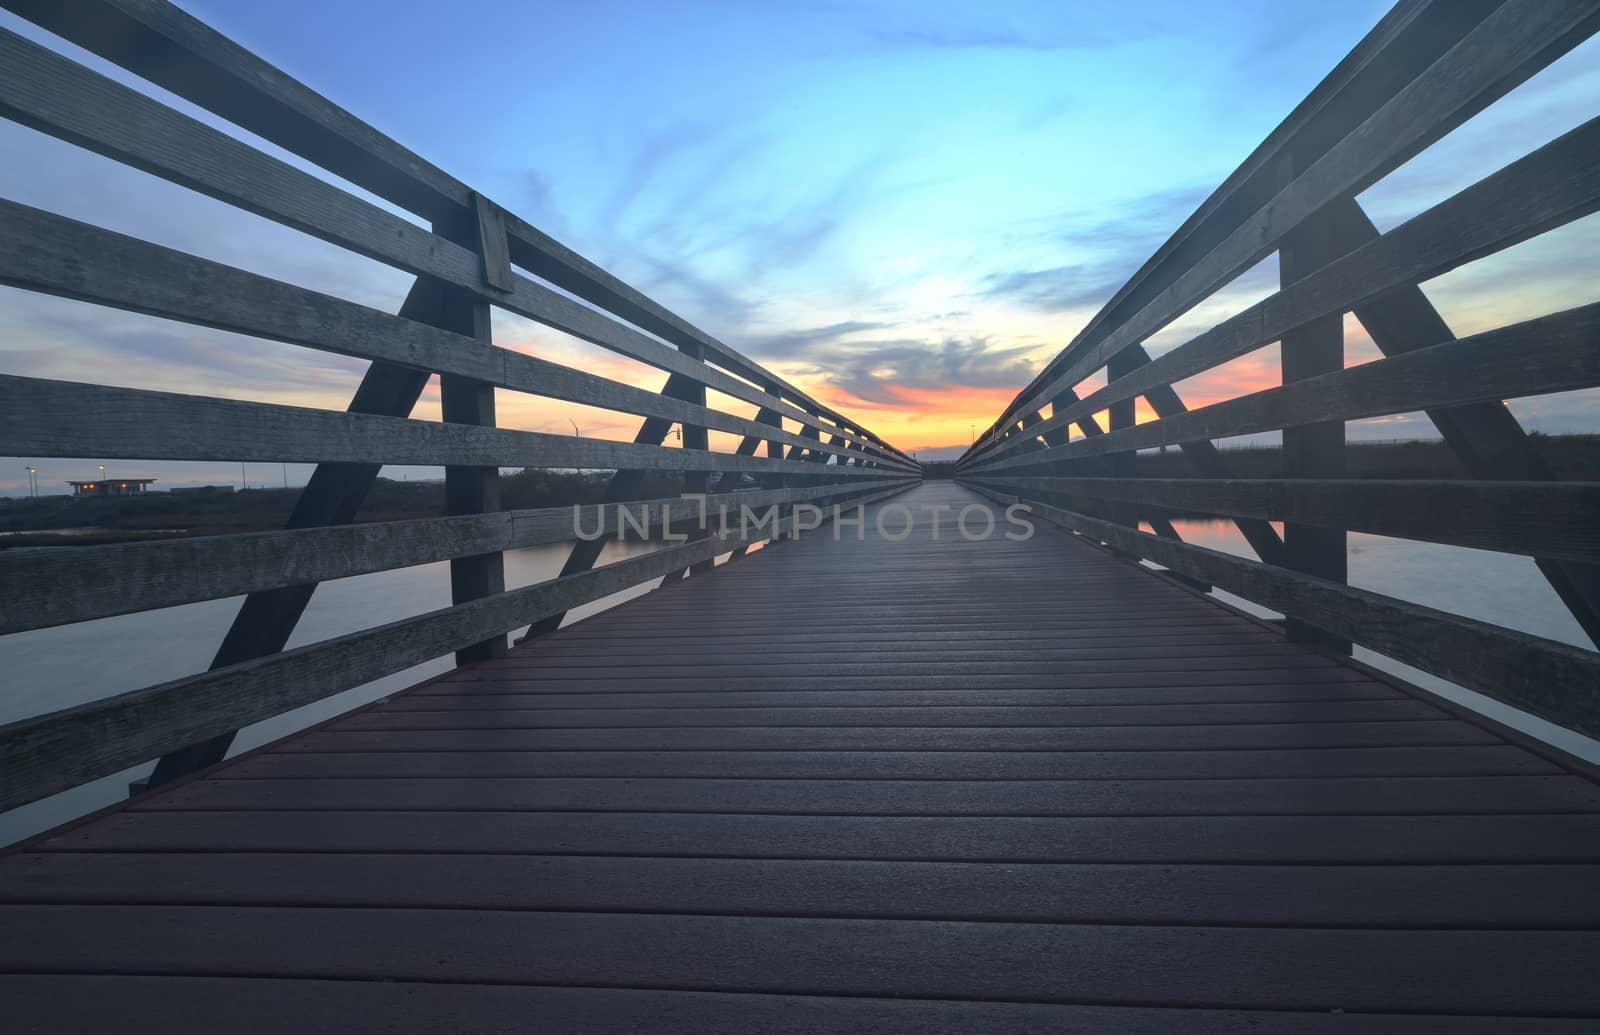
<point>332,496</point>
<point>1313,450</point>
<point>624,486</point>
<point>776,451</point>
<point>696,436</point>
<point>1122,415</point>
<point>474,490</point>
<point>1486,435</point>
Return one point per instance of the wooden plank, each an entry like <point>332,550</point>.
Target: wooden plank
<point>1545,189</point>
<point>1094,629</point>
<point>47,753</point>
<point>1304,969</point>
<point>1203,629</point>
<point>332,496</point>
<point>1179,674</point>
<point>1023,665</point>
<point>174,50</point>
<point>1537,356</point>
<point>659,657</point>
<point>1486,436</point>
<point>45,252</point>
<point>1304,735</point>
<point>474,489</point>
<point>618,645</point>
<point>1385,897</point>
<point>74,584</point>
<point>1459,839</point>
<point>1549,679</point>
<point>628,800</point>
<point>1511,44</point>
<point>62,418</point>
<point>622,485</point>
<point>1559,520</point>
<point>1118,418</point>
<point>94,1003</point>
<point>492,247</point>
<point>897,765</point>
<point>1207,459</point>
<point>1406,40</point>
<point>510,716</point>
<point>1312,450</point>
<point>1352,795</point>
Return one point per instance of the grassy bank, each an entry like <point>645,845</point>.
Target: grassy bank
<point>161,514</point>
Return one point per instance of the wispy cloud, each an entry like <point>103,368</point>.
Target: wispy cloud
<point>1107,250</point>
<point>878,370</point>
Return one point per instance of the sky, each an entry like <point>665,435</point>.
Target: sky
<point>905,208</point>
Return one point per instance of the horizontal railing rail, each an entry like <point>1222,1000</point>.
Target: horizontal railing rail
<point>1427,68</point>
<point>59,750</point>
<point>472,257</point>
<point>171,49</point>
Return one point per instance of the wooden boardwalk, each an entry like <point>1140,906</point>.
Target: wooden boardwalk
<point>910,786</point>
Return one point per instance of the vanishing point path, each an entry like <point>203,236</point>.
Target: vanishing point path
<point>869,785</point>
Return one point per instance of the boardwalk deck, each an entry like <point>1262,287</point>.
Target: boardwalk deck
<point>908,786</point>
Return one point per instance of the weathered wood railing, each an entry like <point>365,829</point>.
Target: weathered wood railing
<point>470,261</point>
<point>1424,70</point>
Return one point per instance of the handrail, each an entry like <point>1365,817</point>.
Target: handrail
<point>475,256</point>
<point>1428,67</point>
<point>1424,70</point>
<point>171,49</point>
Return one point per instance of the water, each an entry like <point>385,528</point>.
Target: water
<point>49,669</point>
<point>1504,589</point>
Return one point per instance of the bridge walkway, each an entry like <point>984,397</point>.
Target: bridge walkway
<point>848,785</point>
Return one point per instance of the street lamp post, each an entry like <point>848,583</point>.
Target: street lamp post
<point>33,481</point>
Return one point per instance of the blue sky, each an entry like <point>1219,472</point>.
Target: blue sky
<point>906,207</point>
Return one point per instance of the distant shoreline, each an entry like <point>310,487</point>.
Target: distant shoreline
<point>94,521</point>
<point>160,515</point>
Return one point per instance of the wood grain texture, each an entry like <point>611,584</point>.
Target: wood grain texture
<point>62,418</point>
<point>172,49</point>
<point>1560,896</point>
<point>1515,41</point>
<point>1551,679</point>
<point>250,1006</point>
<point>1404,42</point>
<point>1293,968</point>
<point>48,587</point>
<point>958,782</point>
<point>1547,519</point>
<point>45,754</point>
<point>1547,188</point>
<point>45,252</point>
<point>859,782</point>
<point>1548,354</point>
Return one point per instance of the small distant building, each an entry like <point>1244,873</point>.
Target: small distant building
<point>113,487</point>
